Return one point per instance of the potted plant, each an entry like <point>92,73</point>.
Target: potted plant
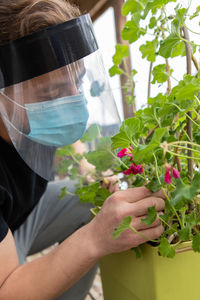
<point>159,148</point>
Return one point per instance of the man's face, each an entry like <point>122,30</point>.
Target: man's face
<point>59,83</point>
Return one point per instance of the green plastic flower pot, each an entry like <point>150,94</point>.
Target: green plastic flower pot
<point>151,277</point>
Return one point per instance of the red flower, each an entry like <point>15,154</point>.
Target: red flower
<point>126,151</point>
<point>171,171</point>
<point>175,173</point>
<point>134,169</point>
<point>168,179</point>
<point>122,153</point>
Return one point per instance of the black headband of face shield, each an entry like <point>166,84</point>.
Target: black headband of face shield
<point>46,50</point>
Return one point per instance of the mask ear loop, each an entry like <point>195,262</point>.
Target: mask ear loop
<point>4,111</point>
<point>8,98</point>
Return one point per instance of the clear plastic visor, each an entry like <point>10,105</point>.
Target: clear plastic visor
<point>55,109</point>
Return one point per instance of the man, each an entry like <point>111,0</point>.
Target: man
<point>44,106</point>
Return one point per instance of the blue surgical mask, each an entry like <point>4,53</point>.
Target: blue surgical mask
<point>58,122</point>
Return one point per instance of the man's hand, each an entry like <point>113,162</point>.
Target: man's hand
<point>132,202</point>
<point>111,183</point>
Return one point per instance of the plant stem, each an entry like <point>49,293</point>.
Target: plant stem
<point>197,114</point>
<point>145,178</point>
<point>185,148</point>
<point>192,30</point>
<point>74,158</point>
<point>189,114</point>
<point>197,99</point>
<point>132,83</point>
<point>195,62</point>
<point>150,133</point>
<point>184,142</point>
<point>164,191</point>
<point>188,42</point>
<point>183,156</point>
<point>169,85</point>
<point>144,236</point>
<point>166,223</point>
<point>157,175</point>
<point>149,81</point>
<point>119,160</point>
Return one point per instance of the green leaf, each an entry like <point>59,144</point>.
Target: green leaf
<point>158,135</point>
<point>124,225</point>
<point>91,134</point>
<point>132,31</point>
<point>104,143</point>
<point>151,216</point>
<point>88,193</point>
<point>196,13</point>
<point>191,219</point>
<point>160,74</point>
<point>185,90</point>
<point>148,50</point>
<point>144,153</point>
<point>63,166</point>
<point>154,185</point>
<point>129,129</point>
<point>183,194</point>
<point>196,243</point>
<point>160,100</point>
<point>185,233</point>
<point>122,51</point>
<point>74,173</point>
<point>181,15</point>
<point>115,71</point>
<point>65,151</point>
<point>166,46</point>
<point>153,22</point>
<point>102,160</point>
<point>63,193</point>
<point>178,49</point>
<point>132,6</point>
<point>138,252</point>
<point>154,4</point>
<point>101,195</point>
<point>120,140</point>
<point>165,249</point>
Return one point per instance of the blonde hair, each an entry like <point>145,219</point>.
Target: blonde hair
<point>22,17</point>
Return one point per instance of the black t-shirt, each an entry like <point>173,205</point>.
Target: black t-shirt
<point>20,189</point>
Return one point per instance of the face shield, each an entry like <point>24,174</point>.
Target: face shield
<point>52,87</point>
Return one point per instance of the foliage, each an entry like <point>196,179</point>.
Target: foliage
<point>155,147</point>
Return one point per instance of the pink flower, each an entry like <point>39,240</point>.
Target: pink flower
<point>168,179</point>
<point>171,171</point>
<point>175,173</point>
<point>125,151</point>
<point>122,153</point>
<point>134,169</point>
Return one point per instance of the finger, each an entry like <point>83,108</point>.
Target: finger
<point>153,233</point>
<point>146,235</point>
<point>114,184</point>
<point>133,195</point>
<point>160,194</point>
<point>139,225</point>
<point>140,208</point>
<point>111,183</point>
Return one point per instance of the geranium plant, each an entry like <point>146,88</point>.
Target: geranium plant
<point>158,147</point>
